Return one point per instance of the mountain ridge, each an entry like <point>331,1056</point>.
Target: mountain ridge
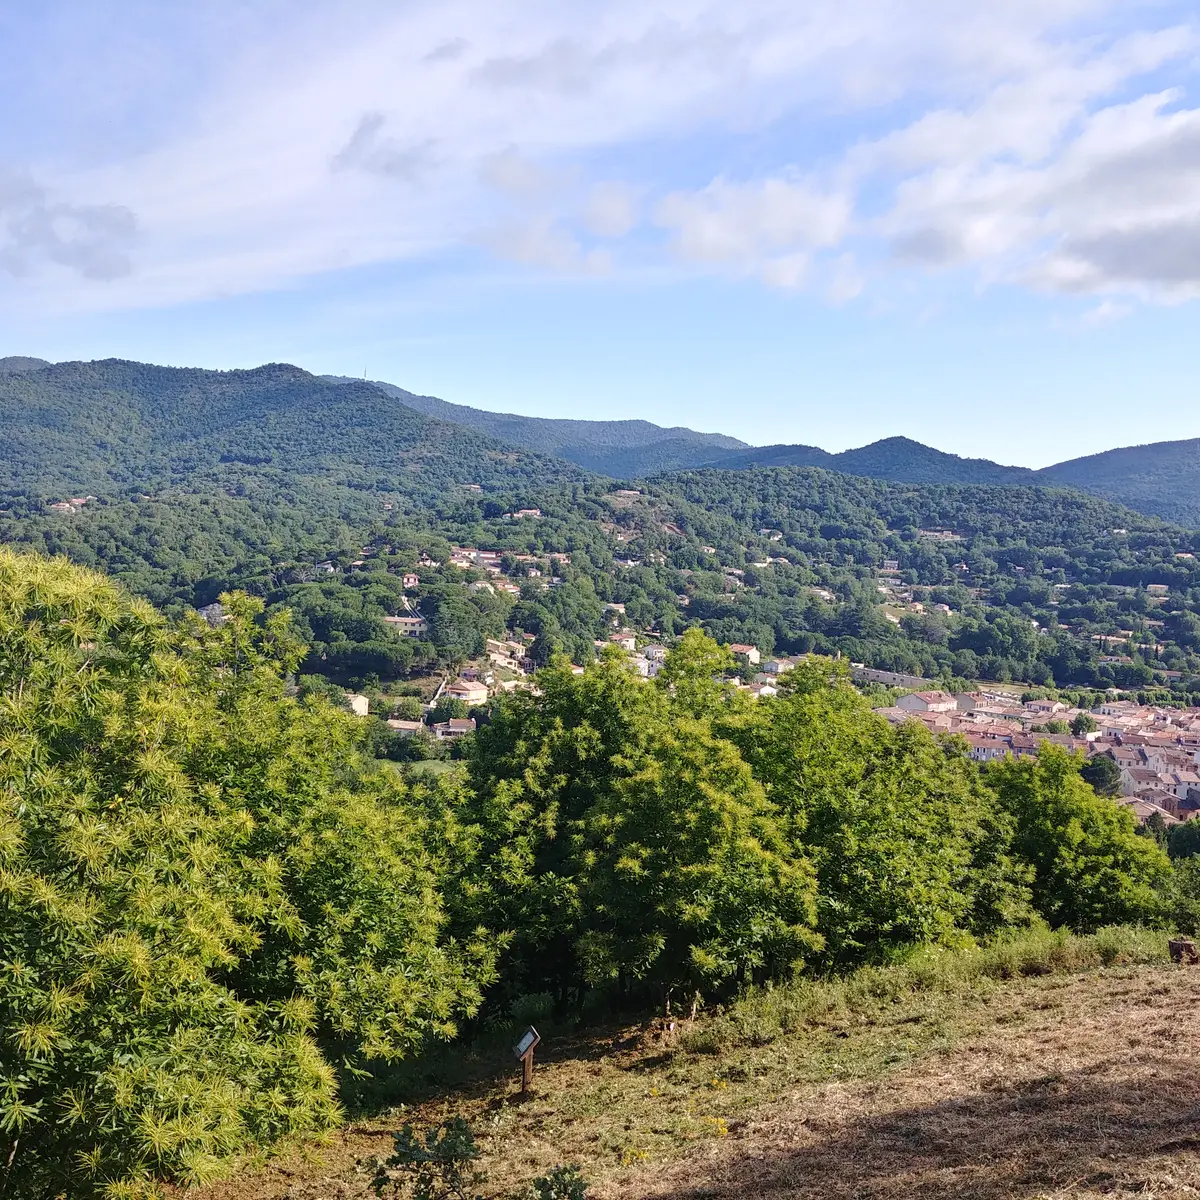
<point>622,449</point>
<point>118,425</point>
<point>1158,478</point>
<point>48,422</point>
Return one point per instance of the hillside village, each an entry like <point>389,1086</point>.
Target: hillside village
<point>1155,749</point>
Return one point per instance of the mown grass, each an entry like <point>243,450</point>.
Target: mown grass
<point>765,1014</point>
<point>617,1099</point>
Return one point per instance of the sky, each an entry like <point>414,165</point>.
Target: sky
<point>816,221</point>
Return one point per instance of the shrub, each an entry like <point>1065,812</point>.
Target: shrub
<point>438,1166</point>
<point>764,1014</point>
<point>561,1183</point>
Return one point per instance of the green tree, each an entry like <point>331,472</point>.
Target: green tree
<point>686,874</point>
<point>694,673</point>
<point>1083,723</point>
<point>626,843</point>
<point>1103,774</point>
<point>405,708</point>
<point>1184,840</point>
<point>448,708</point>
<point>907,845</point>
<point>1090,867</point>
<point>207,892</point>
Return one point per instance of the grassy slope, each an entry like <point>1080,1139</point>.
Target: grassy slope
<point>939,1080</point>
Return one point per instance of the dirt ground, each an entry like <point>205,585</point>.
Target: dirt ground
<point>1066,1086</point>
<point>1086,1089</point>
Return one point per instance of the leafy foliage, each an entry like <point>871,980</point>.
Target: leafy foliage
<point>437,1166</point>
<point>1090,869</point>
<point>205,891</point>
<point>560,1183</point>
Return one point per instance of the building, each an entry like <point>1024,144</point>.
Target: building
<point>409,625</point>
<point>986,749</point>
<point>626,640</point>
<point>933,702</point>
<point>778,666</point>
<point>411,580</point>
<point>360,706</point>
<point>469,691</point>
<point>214,613</point>
<point>863,674</point>
<point>406,728</point>
<point>456,727</point>
<point>746,654</point>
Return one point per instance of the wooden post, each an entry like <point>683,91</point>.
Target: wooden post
<point>523,1053</point>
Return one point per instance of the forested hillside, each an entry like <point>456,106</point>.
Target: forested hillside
<point>623,449</point>
<point>319,496</point>
<point>86,425</point>
<point>1162,478</point>
<point>126,428</point>
<point>898,459</point>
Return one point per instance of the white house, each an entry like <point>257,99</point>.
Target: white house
<point>408,625</point>
<point>927,702</point>
<point>747,654</point>
<point>469,691</point>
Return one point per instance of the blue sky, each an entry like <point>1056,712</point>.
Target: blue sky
<point>821,222</point>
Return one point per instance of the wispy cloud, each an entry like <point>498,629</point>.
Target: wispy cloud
<point>829,145</point>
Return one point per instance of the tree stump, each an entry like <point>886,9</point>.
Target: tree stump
<point>1184,952</point>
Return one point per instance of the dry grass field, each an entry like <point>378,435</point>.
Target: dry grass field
<point>1058,1083</point>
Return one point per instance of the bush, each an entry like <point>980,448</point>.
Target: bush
<point>529,1010</point>
<point>438,1166</point>
<point>561,1183</point>
<point>764,1014</point>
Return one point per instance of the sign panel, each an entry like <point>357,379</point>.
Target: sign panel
<point>529,1039</point>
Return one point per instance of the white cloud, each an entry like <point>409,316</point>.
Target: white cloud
<point>611,210</point>
<point>541,243</point>
<point>1038,143</point>
<point>1106,312</point>
<point>768,228</point>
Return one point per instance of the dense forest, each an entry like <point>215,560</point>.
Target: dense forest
<point>319,495</point>
<point>1161,479</point>
<point>622,449</point>
<point>218,911</point>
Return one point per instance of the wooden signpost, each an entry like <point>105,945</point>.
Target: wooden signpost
<point>523,1053</point>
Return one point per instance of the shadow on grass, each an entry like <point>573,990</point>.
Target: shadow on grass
<point>480,1069</point>
<point>1115,1128</point>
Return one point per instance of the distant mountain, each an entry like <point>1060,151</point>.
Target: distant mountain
<point>125,426</point>
<point>898,459</point>
<point>623,449</point>
<point>78,427</point>
<point>18,362</point>
<point>1162,478</point>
